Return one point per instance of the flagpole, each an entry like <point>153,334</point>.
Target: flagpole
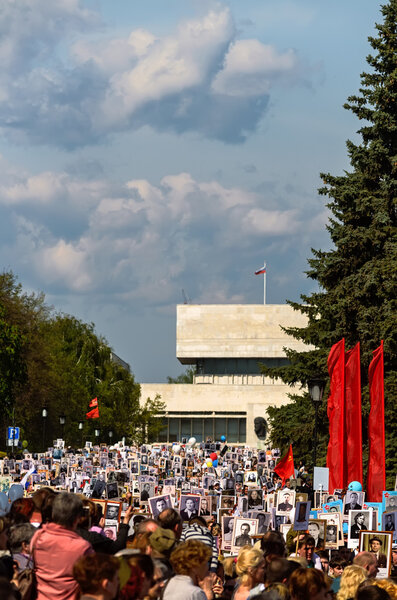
<point>264,288</point>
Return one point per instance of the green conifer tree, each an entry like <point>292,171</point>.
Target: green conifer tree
<point>356,298</point>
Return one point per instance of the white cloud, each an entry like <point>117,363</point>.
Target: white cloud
<point>251,68</point>
<point>58,86</point>
<point>140,241</point>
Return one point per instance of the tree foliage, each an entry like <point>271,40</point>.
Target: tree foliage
<point>58,362</point>
<point>186,377</point>
<point>356,298</point>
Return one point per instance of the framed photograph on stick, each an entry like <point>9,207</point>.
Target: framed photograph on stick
<point>380,544</point>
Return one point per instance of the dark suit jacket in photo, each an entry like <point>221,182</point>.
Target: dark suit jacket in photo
<point>348,507</point>
<point>186,516</point>
<point>285,506</point>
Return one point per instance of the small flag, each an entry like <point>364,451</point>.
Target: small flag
<point>262,270</point>
<point>285,466</point>
<point>93,403</point>
<point>93,414</point>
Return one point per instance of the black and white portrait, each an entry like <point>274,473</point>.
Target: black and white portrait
<point>227,532</point>
<point>285,501</point>
<point>146,491</point>
<point>353,501</point>
<point>389,521</point>
<point>189,507</point>
<point>242,532</point>
<point>112,490</point>
<point>158,504</point>
<point>255,498</point>
<point>359,520</point>
<point>112,511</point>
<point>302,512</point>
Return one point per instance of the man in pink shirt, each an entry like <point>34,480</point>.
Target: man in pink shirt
<point>55,549</point>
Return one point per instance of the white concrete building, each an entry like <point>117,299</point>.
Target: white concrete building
<point>227,343</point>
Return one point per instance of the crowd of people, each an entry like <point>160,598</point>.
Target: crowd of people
<point>191,521</point>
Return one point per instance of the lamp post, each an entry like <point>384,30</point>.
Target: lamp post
<point>316,387</point>
<point>44,414</point>
<point>81,426</point>
<point>110,434</point>
<point>62,421</point>
<point>97,434</point>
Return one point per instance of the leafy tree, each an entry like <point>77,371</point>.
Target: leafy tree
<point>356,298</point>
<point>186,377</point>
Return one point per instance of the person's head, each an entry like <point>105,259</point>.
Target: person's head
<point>286,496</point>
<point>324,559</point>
<point>21,510</point>
<point>306,547</point>
<point>146,487</point>
<point>171,519</point>
<point>337,565</point>
<point>308,583</point>
<point>351,578</point>
<point>353,498</point>
<point>392,501</point>
<point>138,578</point>
<point>359,518</point>
<point>245,529</point>
<point>273,544</point>
<point>97,574</point>
<point>189,504</point>
<point>277,569</point>
<point>204,504</point>
<point>254,495</point>
<point>162,542</point>
<point>314,530</point>
<point>191,558</point>
<point>366,560</point>
<point>250,566</point>
<point>161,505</point>
<point>380,587</point>
<point>389,519</point>
<point>19,537</point>
<point>66,510</point>
<point>375,544</point>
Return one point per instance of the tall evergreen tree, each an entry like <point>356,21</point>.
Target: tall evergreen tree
<point>356,298</point>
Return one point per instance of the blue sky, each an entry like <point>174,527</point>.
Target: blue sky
<point>152,146</point>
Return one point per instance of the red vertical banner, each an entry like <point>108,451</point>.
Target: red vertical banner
<point>353,433</point>
<point>336,416</point>
<point>376,428</point>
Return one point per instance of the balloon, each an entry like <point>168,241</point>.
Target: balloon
<point>176,449</point>
<point>213,456</point>
<point>223,438</point>
<point>209,463</point>
<point>192,441</point>
<point>215,463</point>
<point>355,486</point>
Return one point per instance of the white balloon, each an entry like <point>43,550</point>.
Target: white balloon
<point>176,449</point>
<point>192,441</point>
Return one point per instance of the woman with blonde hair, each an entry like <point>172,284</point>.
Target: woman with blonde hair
<point>351,578</point>
<point>250,569</point>
<point>190,561</point>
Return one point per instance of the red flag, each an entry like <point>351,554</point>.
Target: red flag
<point>376,429</point>
<point>354,447</point>
<point>285,466</point>
<point>335,412</point>
<point>93,414</point>
<point>94,402</point>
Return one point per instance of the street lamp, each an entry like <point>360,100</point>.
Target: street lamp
<point>62,421</point>
<point>44,414</point>
<point>110,434</point>
<point>81,426</point>
<point>97,433</point>
<point>316,387</point>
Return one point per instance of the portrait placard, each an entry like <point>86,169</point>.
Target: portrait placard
<point>359,520</point>
<point>380,544</point>
<point>242,532</point>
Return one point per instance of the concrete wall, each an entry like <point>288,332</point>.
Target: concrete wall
<point>253,399</point>
<point>234,330</point>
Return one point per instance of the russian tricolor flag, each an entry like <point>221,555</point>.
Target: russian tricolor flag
<point>260,271</point>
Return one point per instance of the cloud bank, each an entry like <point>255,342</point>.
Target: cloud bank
<point>59,86</point>
<point>138,241</point>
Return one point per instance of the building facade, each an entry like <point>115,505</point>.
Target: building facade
<point>227,344</point>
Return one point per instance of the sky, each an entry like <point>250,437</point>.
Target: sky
<point>151,149</point>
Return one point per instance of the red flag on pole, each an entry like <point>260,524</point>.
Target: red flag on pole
<point>93,414</point>
<point>285,466</point>
<point>354,447</point>
<point>376,428</point>
<point>335,412</point>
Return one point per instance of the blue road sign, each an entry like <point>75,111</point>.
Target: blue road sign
<point>13,433</point>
